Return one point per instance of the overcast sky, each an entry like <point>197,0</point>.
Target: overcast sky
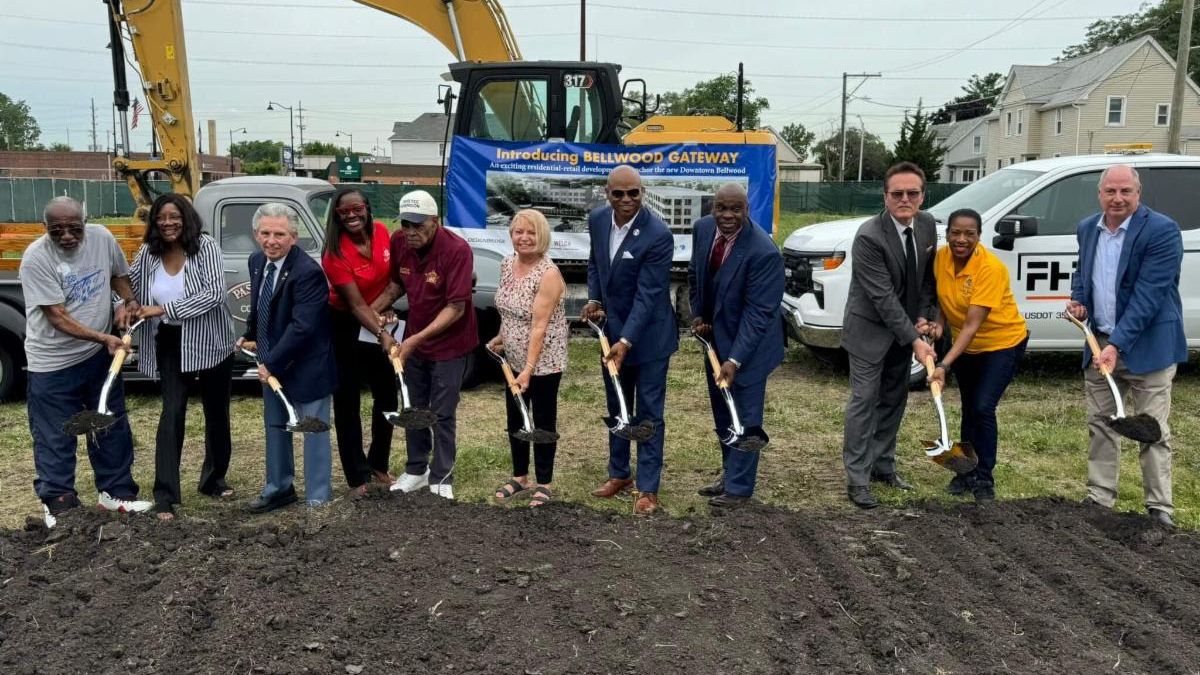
<point>358,70</point>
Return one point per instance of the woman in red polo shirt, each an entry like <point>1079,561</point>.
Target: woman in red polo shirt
<point>356,259</point>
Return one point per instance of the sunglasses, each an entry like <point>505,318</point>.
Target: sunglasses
<point>621,194</point>
<point>358,209</point>
<point>404,224</point>
<point>901,194</point>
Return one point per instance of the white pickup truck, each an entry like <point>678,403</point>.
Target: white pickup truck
<point>1030,211</point>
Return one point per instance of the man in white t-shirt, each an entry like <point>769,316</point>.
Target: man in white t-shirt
<point>68,277</point>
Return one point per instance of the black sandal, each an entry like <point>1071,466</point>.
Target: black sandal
<point>164,511</point>
<point>541,496</point>
<point>510,489</point>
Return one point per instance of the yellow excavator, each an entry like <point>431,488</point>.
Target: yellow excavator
<point>500,97</point>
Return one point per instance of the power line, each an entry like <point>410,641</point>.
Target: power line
<point>783,76</point>
<point>809,17</point>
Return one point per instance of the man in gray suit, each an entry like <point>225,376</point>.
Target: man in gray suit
<point>891,301</point>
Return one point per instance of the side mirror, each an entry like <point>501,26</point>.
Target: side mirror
<point>1012,226</point>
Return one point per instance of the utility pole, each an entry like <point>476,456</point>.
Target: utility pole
<point>862,134</point>
<point>846,98</point>
<point>1174,127</point>
<point>95,144</point>
<point>583,30</point>
<point>300,114</point>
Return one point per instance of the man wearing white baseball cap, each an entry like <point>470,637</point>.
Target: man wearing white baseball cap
<point>432,266</point>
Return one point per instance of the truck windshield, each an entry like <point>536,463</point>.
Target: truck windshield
<point>984,193</point>
<point>319,203</point>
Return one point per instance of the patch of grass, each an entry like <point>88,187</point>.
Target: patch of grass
<point>1043,441</point>
<point>790,222</point>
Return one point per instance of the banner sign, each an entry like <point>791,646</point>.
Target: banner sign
<point>489,181</point>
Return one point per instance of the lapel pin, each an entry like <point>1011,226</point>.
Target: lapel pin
<point>636,232</point>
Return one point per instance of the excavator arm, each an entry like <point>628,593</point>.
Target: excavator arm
<point>473,30</point>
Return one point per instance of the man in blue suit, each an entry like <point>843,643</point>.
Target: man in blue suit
<point>288,328</point>
<point>629,282</point>
<point>1126,285</point>
<point>735,279</point>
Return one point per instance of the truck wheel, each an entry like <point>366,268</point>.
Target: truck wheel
<point>472,375</point>
<point>831,357</point>
<point>9,374</point>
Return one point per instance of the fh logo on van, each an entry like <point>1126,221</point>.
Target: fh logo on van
<point>1046,276</point>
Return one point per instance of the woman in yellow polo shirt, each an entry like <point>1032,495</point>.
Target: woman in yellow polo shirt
<point>989,339</point>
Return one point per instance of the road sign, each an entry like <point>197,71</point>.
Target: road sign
<point>349,169</point>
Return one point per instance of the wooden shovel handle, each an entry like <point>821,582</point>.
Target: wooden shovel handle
<point>605,348</point>
<point>397,365</point>
<point>273,382</point>
<point>716,367</point>
<point>119,357</point>
<point>508,377</point>
<point>934,387</point>
<point>1091,340</point>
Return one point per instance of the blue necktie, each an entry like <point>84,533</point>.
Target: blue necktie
<point>264,310</point>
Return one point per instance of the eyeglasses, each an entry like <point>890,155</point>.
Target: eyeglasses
<point>411,226</point>
<point>60,230</point>
<point>358,209</point>
<point>901,194</point>
<point>621,194</point>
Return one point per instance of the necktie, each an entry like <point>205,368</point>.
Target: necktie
<point>912,285</point>
<point>264,310</point>
<point>718,254</point>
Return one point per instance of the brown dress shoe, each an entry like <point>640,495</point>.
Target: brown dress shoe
<point>611,487</point>
<point>646,504</point>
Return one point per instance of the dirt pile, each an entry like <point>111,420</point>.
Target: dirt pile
<point>417,584</point>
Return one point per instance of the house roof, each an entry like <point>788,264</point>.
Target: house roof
<point>1071,80</point>
<point>430,126</point>
<point>952,133</point>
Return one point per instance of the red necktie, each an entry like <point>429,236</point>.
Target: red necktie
<point>718,254</point>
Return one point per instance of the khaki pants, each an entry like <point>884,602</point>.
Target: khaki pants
<point>1150,394</point>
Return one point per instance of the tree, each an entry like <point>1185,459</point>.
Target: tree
<point>262,167</point>
<point>1160,21</point>
<point>978,99</point>
<point>18,129</point>
<point>257,151</point>
<point>799,138</point>
<point>322,148</point>
<point>918,144</point>
<point>717,96</point>
<point>875,155</point>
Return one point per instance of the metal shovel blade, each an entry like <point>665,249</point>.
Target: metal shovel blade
<point>309,425</point>
<point>88,421</point>
<point>959,457</point>
<point>638,433</point>
<point>1141,428</point>
<point>535,436</point>
<point>754,439</point>
<point>411,418</point>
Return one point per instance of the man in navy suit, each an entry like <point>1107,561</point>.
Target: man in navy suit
<point>735,279</point>
<point>288,328</point>
<point>1126,285</point>
<point>629,282</point>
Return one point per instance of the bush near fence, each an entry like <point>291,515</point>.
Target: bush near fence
<point>22,199</point>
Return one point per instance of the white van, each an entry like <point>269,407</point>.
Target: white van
<point>1030,212</point>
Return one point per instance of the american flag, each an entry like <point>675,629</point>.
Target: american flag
<point>137,110</point>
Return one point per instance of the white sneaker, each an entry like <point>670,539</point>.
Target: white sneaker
<point>409,482</point>
<point>443,490</point>
<point>110,503</point>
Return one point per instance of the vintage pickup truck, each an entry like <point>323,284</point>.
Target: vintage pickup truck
<point>226,206</point>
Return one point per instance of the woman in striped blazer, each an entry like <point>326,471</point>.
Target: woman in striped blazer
<point>178,278</point>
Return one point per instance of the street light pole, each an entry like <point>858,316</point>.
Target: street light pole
<point>862,134</point>
<point>291,129</point>
<point>343,133</point>
<point>231,132</point>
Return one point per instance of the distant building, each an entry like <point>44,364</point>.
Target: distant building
<point>94,165</point>
<point>678,207</point>
<point>791,168</point>
<point>421,142</point>
<point>965,143</point>
<point>1090,104</point>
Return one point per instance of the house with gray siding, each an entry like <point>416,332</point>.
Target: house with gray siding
<point>965,142</point>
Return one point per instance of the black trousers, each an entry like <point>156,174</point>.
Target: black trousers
<point>358,363</point>
<point>542,398</point>
<point>215,384</point>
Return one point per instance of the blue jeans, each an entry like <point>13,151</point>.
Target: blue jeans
<point>281,464</point>
<point>982,379</point>
<point>739,468</point>
<point>51,399</point>
<point>645,389</point>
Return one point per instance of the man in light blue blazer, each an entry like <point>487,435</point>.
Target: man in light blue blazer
<point>629,284</point>
<point>1126,285</point>
<point>735,280</point>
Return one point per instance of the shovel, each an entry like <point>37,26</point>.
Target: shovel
<point>1141,427</point>
<point>91,421</point>
<point>527,433</point>
<point>958,457</point>
<point>619,425</point>
<point>736,435</point>
<point>408,417</point>
<point>308,425</point>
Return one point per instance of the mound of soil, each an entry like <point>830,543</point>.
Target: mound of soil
<point>414,584</point>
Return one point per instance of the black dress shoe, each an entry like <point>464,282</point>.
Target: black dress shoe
<point>984,492</point>
<point>891,480</point>
<point>728,501</point>
<point>262,505</point>
<point>860,496</point>
<point>713,489</point>
<point>959,485</point>
<point>1161,518</point>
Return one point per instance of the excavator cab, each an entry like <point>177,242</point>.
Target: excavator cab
<point>578,102</point>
